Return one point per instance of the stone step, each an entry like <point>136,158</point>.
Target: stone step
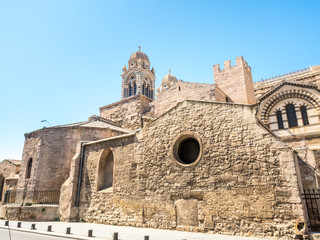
<point>315,236</point>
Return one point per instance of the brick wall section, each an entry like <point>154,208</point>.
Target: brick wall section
<point>181,91</point>
<point>245,183</point>
<point>52,150</point>
<point>127,112</point>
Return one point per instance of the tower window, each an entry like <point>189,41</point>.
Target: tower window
<point>134,88</point>
<point>29,168</point>
<point>279,119</point>
<point>304,115</point>
<point>143,89</point>
<point>130,90</point>
<point>291,115</point>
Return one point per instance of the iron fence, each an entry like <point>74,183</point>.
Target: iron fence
<point>32,197</point>
<point>312,198</point>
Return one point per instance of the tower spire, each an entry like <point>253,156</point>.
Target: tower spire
<point>139,48</point>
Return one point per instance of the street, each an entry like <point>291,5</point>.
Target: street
<point>17,235</point>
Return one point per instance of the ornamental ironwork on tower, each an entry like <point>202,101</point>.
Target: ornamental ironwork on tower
<point>137,77</point>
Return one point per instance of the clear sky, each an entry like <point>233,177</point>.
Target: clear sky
<point>61,60</point>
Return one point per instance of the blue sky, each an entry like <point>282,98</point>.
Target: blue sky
<point>61,60</point>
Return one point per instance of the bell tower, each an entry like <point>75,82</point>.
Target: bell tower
<point>137,77</point>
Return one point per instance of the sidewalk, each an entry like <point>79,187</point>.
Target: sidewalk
<point>101,231</point>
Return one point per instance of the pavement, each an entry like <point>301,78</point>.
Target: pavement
<point>79,231</point>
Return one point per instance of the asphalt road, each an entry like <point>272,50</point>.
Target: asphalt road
<point>17,235</point>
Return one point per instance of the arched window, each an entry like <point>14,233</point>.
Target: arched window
<point>304,115</point>
<point>134,88</point>
<point>29,168</point>
<point>147,91</point>
<point>291,115</point>
<point>143,86</point>
<point>130,90</point>
<point>279,119</point>
<point>105,170</point>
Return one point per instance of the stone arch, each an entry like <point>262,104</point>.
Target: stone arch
<point>130,77</point>
<point>105,170</point>
<point>293,93</point>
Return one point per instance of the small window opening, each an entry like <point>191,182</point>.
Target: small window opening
<point>304,115</point>
<point>179,88</point>
<point>227,99</point>
<point>279,119</point>
<point>291,115</point>
<point>29,168</point>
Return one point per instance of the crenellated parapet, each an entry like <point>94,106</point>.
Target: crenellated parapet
<point>235,81</point>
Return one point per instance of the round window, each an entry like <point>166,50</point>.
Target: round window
<point>187,149</point>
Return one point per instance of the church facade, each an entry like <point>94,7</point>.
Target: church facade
<point>233,157</point>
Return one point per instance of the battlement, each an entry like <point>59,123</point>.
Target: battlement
<point>240,62</point>
<point>235,81</point>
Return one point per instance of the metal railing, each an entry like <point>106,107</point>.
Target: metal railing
<point>32,197</point>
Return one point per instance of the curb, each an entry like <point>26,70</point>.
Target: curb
<point>52,234</point>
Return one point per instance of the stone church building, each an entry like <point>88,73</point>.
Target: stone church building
<point>233,157</point>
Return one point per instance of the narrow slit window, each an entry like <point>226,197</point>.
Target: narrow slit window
<point>291,115</point>
<point>304,115</point>
<point>279,119</point>
<point>29,168</point>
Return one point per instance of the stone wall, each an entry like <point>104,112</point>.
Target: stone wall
<point>51,150</point>
<point>181,91</point>
<point>29,213</point>
<point>9,170</point>
<point>245,182</point>
<point>127,112</point>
